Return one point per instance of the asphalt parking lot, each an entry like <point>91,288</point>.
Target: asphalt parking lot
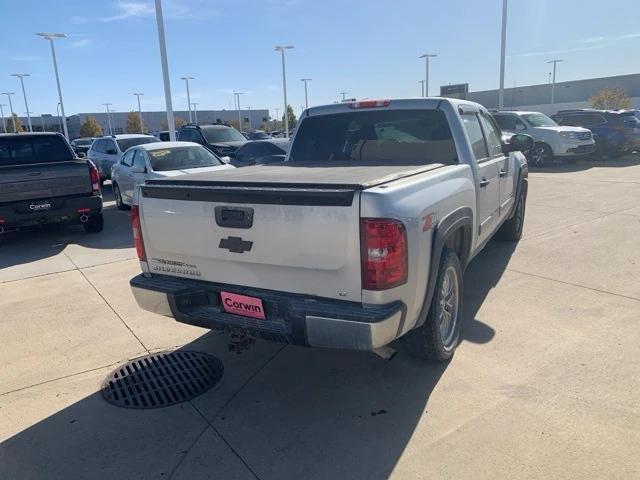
<point>546,383</point>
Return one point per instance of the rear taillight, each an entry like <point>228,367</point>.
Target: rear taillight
<point>370,104</point>
<point>137,233</point>
<point>383,250</point>
<point>95,177</point>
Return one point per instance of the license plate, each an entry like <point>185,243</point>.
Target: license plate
<point>242,305</point>
<point>41,206</point>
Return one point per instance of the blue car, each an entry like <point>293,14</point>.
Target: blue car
<point>616,132</point>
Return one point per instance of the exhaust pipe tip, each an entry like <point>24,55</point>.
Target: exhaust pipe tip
<point>84,218</point>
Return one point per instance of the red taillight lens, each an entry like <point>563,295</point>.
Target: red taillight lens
<point>95,177</point>
<point>137,233</point>
<point>383,249</point>
<point>370,104</point>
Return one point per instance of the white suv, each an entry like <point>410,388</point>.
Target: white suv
<point>551,140</point>
<point>105,152</point>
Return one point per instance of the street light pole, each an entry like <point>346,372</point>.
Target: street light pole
<point>195,112</point>
<point>50,37</point>
<point>108,117</point>
<point>13,118</point>
<point>165,71</point>
<point>426,57</point>
<point>249,115</point>
<point>281,49</point>
<point>140,112</point>
<point>42,122</point>
<point>421,82</point>
<point>553,82</point>
<point>306,97</point>
<point>237,95</point>
<point>503,48</point>
<point>21,76</point>
<point>186,79</point>
<point>58,116</point>
<point>4,125</point>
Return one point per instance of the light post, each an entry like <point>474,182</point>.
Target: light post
<point>58,116</point>
<point>421,82</point>
<point>249,115</point>
<point>140,111</point>
<point>281,49</point>
<point>165,71</point>
<point>306,97</point>
<point>344,94</point>
<point>186,79</point>
<point>42,121</point>
<point>13,118</point>
<point>195,112</point>
<point>4,125</point>
<point>503,47</point>
<point>51,37</point>
<point>21,76</point>
<point>237,95</point>
<point>109,117</point>
<point>553,82</point>
<point>426,57</point>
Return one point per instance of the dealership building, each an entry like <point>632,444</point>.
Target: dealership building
<point>153,121</point>
<point>571,94</point>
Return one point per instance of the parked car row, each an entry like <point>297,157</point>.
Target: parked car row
<point>573,134</point>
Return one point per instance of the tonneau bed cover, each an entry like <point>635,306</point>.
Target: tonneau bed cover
<point>302,175</point>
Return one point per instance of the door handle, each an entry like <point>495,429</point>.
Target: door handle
<point>503,173</point>
<point>484,182</point>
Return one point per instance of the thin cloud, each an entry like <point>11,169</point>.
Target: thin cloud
<point>592,40</point>
<point>83,42</point>
<point>132,9</point>
<point>554,52</point>
<point>26,58</point>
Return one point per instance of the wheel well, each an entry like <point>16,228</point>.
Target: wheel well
<point>459,241</point>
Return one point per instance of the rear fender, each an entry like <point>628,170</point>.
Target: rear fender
<point>462,219</point>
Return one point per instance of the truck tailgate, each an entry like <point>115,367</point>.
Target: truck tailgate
<point>44,180</point>
<point>298,240</point>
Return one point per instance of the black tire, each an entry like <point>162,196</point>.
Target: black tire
<point>541,156</point>
<point>511,230</point>
<point>95,223</point>
<point>120,205</point>
<point>426,341</point>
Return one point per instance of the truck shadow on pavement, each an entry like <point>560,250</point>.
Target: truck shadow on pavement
<point>32,244</point>
<point>280,411</point>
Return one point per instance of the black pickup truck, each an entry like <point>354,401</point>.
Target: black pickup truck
<point>43,181</point>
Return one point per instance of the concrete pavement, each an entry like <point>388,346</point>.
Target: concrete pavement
<point>544,385</point>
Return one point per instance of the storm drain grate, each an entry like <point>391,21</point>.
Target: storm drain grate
<point>162,379</point>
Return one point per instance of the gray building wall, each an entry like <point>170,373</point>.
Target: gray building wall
<point>572,94</point>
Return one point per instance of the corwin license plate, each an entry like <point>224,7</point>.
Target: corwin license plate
<point>242,305</point>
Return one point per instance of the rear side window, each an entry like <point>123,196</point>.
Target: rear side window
<point>98,146</point>
<point>25,150</point>
<point>375,136</point>
<point>126,143</point>
<point>472,126</point>
<point>492,135</point>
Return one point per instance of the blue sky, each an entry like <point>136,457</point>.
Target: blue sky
<point>368,48</point>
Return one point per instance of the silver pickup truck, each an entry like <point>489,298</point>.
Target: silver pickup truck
<point>360,237</point>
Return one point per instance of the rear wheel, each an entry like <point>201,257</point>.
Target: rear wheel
<point>437,339</point>
<point>95,223</point>
<point>541,155</point>
<point>118,198</point>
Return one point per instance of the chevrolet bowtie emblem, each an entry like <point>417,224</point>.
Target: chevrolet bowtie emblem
<point>235,244</point>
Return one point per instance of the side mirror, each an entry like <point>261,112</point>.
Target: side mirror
<point>138,169</point>
<point>111,151</point>
<point>518,143</point>
<point>225,159</point>
<point>520,126</point>
<point>82,155</point>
